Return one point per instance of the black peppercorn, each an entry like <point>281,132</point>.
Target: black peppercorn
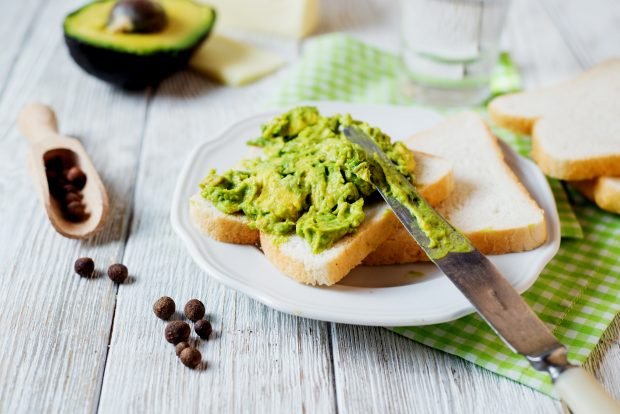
<point>177,331</point>
<point>84,266</point>
<point>203,328</point>
<point>180,347</point>
<point>190,357</point>
<point>76,177</point>
<point>117,272</point>
<point>164,307</point>
<point>194,310</point>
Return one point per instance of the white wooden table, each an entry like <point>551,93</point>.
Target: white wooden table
<point>69,344</point>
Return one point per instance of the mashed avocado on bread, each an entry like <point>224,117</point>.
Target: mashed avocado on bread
<point>310,180</point>
<point>442,238</point>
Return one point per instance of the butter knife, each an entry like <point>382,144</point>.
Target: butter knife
<point>497,302</point>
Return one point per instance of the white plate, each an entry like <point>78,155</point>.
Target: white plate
<point>399,295</point>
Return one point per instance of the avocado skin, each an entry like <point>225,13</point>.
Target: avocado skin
<point>127,70</point>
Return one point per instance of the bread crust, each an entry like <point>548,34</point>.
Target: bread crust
<point>400,248</point>
<point>604,191</point>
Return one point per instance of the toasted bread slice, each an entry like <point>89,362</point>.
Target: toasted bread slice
<point>604,191</point>
<point>433,175</point>
<point>488,204</point>
<point>574,125</point>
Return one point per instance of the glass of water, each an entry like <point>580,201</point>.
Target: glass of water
<point>449,49</point>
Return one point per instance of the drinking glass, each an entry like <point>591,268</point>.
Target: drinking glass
<point>449,49</point>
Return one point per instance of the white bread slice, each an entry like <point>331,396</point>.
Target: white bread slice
<point>488,204</point>
<point>294,257</point>
<point>575,125</point>
<point>227,228</point>
<point>433,175</point>
<point>604,191</point>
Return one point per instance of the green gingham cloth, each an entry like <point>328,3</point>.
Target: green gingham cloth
<point>577,295</point>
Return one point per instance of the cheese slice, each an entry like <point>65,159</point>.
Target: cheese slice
<point>233,63</point>
<point>292,18</point>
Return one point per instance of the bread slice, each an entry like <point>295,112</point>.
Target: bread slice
<point>294,256</point>
<point>488,204</point>
<point>433,174</point>
<point>574,125</point>
<point>227,228</point>
<point>604,191</point>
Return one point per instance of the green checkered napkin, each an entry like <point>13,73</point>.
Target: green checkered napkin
<point>577,295</point>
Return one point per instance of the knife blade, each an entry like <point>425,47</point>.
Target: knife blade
<point>497,302</point>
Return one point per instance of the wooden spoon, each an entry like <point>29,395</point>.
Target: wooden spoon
<point>37,122</point>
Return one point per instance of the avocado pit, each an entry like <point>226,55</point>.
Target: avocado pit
<point>137,16</point>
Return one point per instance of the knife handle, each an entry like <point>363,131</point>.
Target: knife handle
<point>583,393</point>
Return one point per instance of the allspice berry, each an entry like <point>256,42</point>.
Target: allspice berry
<point>203,328</point>
<point>190,357</point>
<point>75,210</point>
<point>194,310</point>
<point>117,272</point>
<point>164,307</point>
<point>77,177</point>
<point>177,331</point>
<point>68,188</point>
<point>84,266</point>
<point>71,197</point>
<point>180,347</point>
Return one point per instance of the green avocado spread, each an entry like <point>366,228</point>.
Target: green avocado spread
<point>310,180</point>
<point>442,238</point>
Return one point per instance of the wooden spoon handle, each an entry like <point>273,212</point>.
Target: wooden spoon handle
<point>37,122</point>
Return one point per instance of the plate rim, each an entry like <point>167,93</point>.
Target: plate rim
<point>274,300</point>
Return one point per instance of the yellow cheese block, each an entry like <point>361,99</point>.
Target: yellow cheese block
<point>292,18</point>
<point>233,63</point>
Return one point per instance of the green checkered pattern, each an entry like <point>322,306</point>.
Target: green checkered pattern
<point>577,295</point>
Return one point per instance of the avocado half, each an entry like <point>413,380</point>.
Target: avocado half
<point>136,60</point>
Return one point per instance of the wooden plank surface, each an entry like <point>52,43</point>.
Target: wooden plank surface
<point>590,28</point>
<point>55,356</point>
<point>56,325</point>
<point>537,46</point>
<point>379,371</point>
<point>17,21</point>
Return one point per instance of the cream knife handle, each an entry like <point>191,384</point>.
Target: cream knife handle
<point>583,393</point>
<point>37,122</point>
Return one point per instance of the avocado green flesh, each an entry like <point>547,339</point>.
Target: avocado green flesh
<point>443,239</point>
<point>311,180</point>
<point>187,24</point>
